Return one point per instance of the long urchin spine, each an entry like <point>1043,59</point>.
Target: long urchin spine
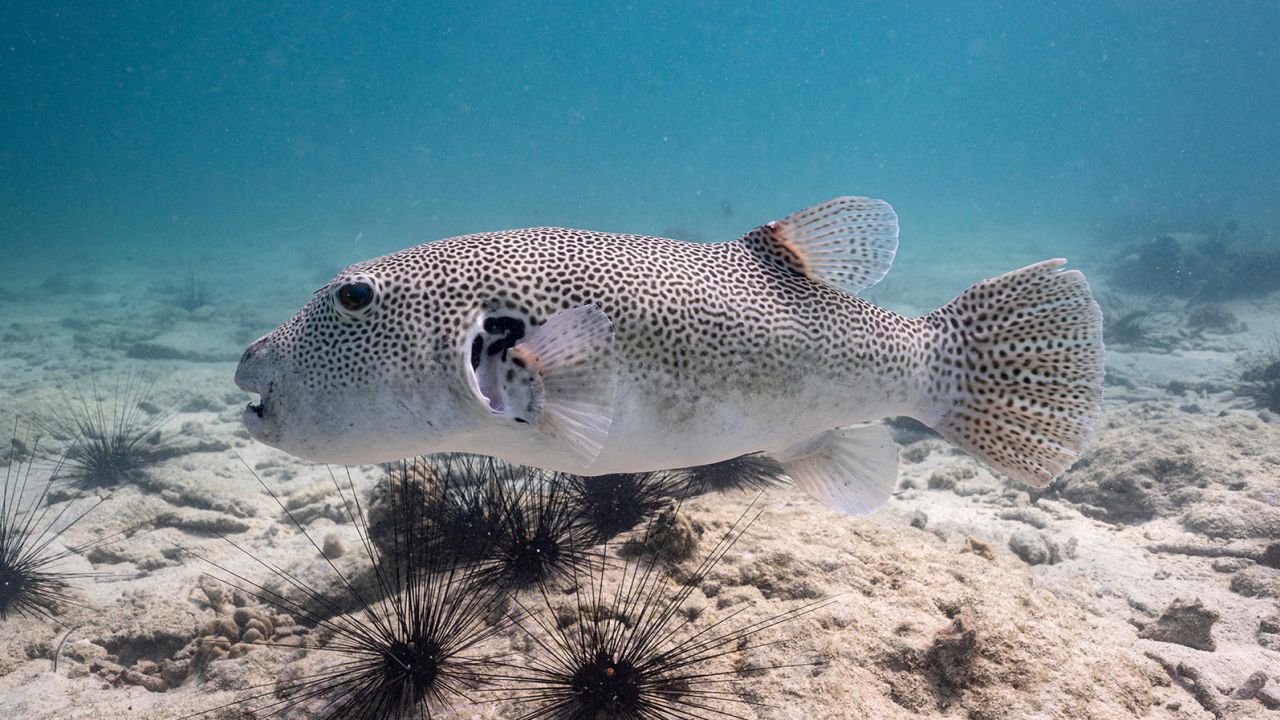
<point>401,654</point>
<point>32,582</point>
<point>632,654</point>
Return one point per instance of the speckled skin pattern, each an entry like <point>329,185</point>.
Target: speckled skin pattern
<point>722,349</point>
<point>1018,371</point>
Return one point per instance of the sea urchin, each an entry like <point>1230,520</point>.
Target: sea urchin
<point>114,440</point>
<point>1261,384</point>
<point>747,472</point>
<point>31,525</point>
<point>632,653</point>
<point>611,504</point>
<point>409,648</point>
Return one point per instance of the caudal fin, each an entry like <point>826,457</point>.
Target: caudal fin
<point>1017,381</point>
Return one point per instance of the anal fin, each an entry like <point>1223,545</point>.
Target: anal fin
<point>851,469</point>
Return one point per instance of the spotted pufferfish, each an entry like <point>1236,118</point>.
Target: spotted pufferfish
<point>598,353</point>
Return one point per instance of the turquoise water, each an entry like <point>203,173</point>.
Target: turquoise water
<point>150,128</point>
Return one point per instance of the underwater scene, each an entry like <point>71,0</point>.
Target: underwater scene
<point>653,361</point>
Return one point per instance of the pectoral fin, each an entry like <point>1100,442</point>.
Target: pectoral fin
<point>558,377</point>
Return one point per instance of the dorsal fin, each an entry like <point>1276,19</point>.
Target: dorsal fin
<point>848,242</point>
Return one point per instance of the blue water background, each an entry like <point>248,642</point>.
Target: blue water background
<point>159,134</point>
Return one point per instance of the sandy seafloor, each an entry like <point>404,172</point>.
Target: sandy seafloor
<point>937,610</point>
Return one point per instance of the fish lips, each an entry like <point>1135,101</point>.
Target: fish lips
<point>256,421</point>
<point>253,375</point>
<point>259,418</point>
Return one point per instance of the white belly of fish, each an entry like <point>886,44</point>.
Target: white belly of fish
<point>671,428</point>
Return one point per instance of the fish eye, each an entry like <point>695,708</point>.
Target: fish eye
<point>356,295</point>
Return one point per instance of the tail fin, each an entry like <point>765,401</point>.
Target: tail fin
<point>1017,381</point>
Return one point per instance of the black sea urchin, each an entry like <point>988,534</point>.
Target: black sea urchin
<point>518,525</point>
<point>31,525</point>
<point>112,439</point>
<point>611,504</point>
<point>631,653</point>
<point>467,501</point>
<point>747,472</point>
<point>191,294</point>
<point>1136,324</point>
<point>1261,384</point>
<point>537,539</point>
<point>405,652</point>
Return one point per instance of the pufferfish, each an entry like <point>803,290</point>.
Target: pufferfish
<point>596,353</point>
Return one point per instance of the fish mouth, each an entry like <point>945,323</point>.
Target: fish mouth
<point>257,420</point>
<point>256,374</point>
<point>256,413</point>
<point>257,408</point>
